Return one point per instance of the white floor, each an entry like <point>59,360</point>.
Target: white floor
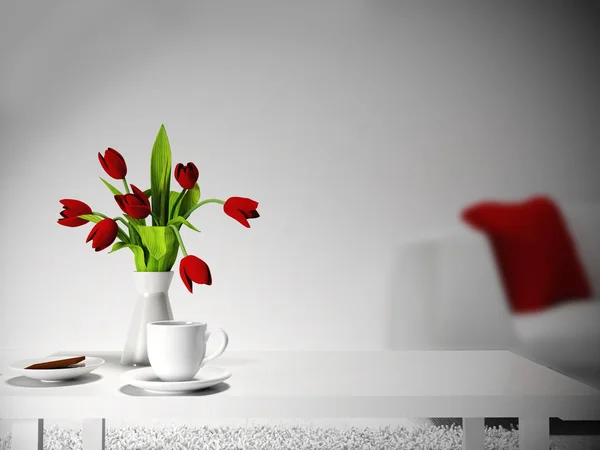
<point>5,425</point>
<point>560,442</point>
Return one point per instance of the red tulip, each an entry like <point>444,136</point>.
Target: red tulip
<point>193,269</point>
<point>113,163</point>
<point>72,209</point>
<point>137,205</point>
<point>103,234</point>
<point>186,175</point>
<point>241,209</point>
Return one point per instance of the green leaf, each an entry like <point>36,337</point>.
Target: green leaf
<point>180,220</point>
<point>113,189</point>
<point>189,200</point>
<point>158,240</point>
<point>160,176</point>
<point>90,217</point>
<point>117,246</point>
<point>167,261</point>
<point>153,265</point>
<point>137,222</point>
<point>148,193</point>
<point>138,253</point>
<point>172,200</point>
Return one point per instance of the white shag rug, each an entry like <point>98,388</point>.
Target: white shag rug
<point>277,437</point>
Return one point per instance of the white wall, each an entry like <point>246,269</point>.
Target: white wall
<point>356,125</point>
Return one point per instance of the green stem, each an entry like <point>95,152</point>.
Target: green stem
<point>179,197</point>
<point>155,218</point>
<point>95,213</point>
<point>178,236</point>
<point>203,202</point>
<point>132,224</point>
<point>134,234</point>
<point>122,235</point>
<point>126,186</point>
<point>120,219</point>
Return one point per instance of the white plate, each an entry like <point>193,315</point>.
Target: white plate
<point>145,378</point>
<point>68,373</point>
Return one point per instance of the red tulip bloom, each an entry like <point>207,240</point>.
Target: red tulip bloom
<point>72,209</point>
<point>137,205</point>
<point>186,175</point>
<point>113,163</point>
<point>241,209</point>
<point>193,269</point>
<point>103,234</point>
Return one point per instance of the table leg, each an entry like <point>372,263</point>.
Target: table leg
<point>473,433</point>
<point>28,434</point>
<point>534,433</point>
<point>94,434</point>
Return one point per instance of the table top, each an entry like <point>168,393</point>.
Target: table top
<point>299,384</point>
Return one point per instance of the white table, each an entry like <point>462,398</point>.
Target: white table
<point>386,384</point>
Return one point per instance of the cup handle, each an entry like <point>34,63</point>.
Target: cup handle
<point>218,352</point>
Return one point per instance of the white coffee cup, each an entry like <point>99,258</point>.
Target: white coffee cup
<point>177,349</point>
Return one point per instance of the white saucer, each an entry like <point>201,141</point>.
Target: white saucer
<point>145,378</point>
<point>67,373</point>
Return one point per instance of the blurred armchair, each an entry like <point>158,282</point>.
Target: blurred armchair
<point>448,294</point>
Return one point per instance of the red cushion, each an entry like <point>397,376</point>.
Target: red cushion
<point>535,253</point>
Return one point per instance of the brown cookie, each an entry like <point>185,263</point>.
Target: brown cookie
<point>58,364</point>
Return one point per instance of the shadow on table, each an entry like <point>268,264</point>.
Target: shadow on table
<point>138,392</point>
<point>109,359</point>
<point>31,383</point>
<point>113,359</point>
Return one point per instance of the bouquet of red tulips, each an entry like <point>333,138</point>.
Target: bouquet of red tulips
<point>154,247</point>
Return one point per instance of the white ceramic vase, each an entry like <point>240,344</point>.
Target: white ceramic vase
<point>152,305</point>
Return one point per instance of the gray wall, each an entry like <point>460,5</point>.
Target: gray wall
<point>356,125</point>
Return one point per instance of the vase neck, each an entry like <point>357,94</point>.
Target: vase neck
<point>151,282</point>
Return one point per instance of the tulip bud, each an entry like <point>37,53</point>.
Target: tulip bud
<point>113,163</point>
<point>241,209</point>
<point>71,210</point>
<point>137,205</point>
<point>187,175</point>
<point>193,269</point>
<point>103,234</point>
